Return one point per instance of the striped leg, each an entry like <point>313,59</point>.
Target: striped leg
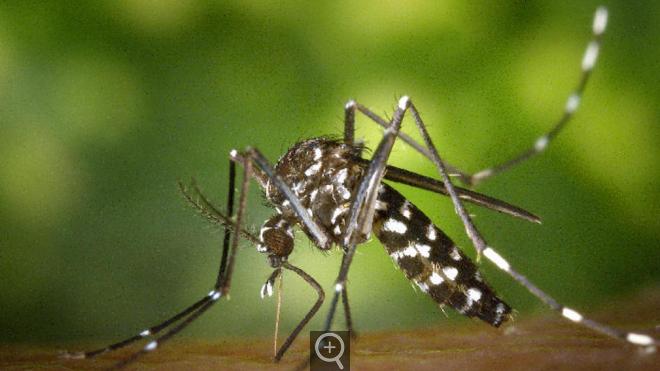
<point>223,283</point>
<point>362,210</point>
<point>637,339</point>
<point>220,288</point>
<point>541,143</point>
<point>572,104</point>
<point>501,263</point>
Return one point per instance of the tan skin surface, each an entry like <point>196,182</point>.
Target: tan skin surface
<point>543,342</point>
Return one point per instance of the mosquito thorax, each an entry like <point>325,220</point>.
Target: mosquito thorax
<point>323,174</point>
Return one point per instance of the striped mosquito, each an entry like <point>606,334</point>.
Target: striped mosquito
<point>325,188</point>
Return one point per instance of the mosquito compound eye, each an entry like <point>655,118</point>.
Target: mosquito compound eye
<point>278,242</point>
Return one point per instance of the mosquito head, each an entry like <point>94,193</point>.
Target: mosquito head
<point>279,244</point>
<point>276,240</point>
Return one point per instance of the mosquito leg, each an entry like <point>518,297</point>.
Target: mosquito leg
<point>321,296</point>
<point>224,280</point>
<point>362,210</point>
<point>223,283</point>
<point>572,103</point>
<point>541,143</point>
<point>142,335</point>
<point>502,264</point>
<point>207,302</point>
<point>159,327</point>
<point>231,191</point>
<point>347,311</point>
<point>353,105</point>
<point>319,234</point>
<point>221,288</point>
<point>568,313</point>
<point>470,229</point>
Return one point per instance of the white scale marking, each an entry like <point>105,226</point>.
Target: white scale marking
<point>410,251</point>
<point>381,205</point>
<point>496,258</point>
<point>572,103</point>
<point>393,225</point>
<point>600,20</point>
<point>338,211</point>
<point>499,311</point>
<point>342,175</point>
<point>590,56</point>
<point>313,169</point>
<point>345,193</point>
<point>450,272</point>
<point>337,230</point>
<point>541,143</point>
<point>571,314</point>
<point>339,287</point>
<point>424,250</point>
<point>422,286</point>
<point>262,231</point>
<point>396,255</point>
<point>145,333</point>
<point>483,174</point>
<point>474,294</point>
<point>266,289</point>
<point>639,339</point>
<point>455,254</point>
<point>436,279</point>
<point>268,189</point>
<point>317,154</point>
<point>404,102</point>
<point>431,233</point>
<point>327,189</point>
<point>151,346</point>
<point>297,187</point>
<point>405,210</point>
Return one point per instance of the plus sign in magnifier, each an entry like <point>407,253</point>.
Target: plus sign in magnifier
<point>329,349</point>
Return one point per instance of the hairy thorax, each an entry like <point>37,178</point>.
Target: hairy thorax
<point>322,174</point>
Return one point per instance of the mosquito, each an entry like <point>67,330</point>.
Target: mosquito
<point>336,197</point>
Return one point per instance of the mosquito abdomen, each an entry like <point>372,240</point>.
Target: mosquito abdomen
<point>430,259</point>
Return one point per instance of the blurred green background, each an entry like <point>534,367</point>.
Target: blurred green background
<point>103,105</point>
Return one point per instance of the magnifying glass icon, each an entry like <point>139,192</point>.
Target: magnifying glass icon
<point>329,347</point>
